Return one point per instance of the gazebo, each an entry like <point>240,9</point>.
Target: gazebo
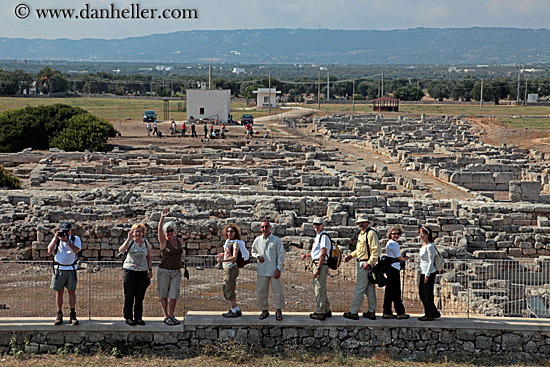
<point>385,104</point>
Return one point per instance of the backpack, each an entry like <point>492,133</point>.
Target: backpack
<point>439,262</point>
<point>334,257</point>
<point>241,262</point>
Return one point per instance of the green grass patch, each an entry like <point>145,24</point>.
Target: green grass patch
<point>114,108</point>
<point>530,123</point>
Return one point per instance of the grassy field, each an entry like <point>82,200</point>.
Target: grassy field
<point>302,360</point>
<point>114,109</point>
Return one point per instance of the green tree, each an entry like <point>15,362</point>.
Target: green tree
<point>8,180</point>
<point>409,93</point>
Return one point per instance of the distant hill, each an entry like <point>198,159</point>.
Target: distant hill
<point>408,46</point>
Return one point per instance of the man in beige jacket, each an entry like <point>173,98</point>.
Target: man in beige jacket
<point>269,251</point>
<point>366,253</point>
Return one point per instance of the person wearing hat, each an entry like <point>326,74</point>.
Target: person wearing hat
<point>318,255</point>
<point>366,252</point>
<point>65,246</point>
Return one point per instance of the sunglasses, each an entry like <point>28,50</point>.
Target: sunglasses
<point>169,230</point>
<point>264,226</point>
<point>396,234</point>
<point>316,224</point>
<point>230,231</point>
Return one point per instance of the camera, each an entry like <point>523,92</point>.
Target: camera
<point>63,234</point>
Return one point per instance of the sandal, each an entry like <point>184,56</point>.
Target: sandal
<point>263,315</point>
<point>168,321</point>
<point>176,321</point>
<point>279,315</point>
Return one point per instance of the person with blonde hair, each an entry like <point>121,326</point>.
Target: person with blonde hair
<point>138,271</point>
<point>169,271</point>
<point>392,294</point>
<point>228,259</point>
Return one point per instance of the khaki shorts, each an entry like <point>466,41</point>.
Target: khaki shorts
<point>230,283</point>
<point>169,282</point>
<point>63,279</point>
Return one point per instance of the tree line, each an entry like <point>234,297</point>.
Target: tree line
<point>49,80</point>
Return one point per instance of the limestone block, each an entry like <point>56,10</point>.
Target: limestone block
<point>515,187</point>
<point>543,221</point>
<point>502,177</point>
<point>530,190</point>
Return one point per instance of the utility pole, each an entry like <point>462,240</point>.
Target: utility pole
<point>382,85</point>
<point>525,89</point>
<point>519,68</point>
<point>319,89</point>
<point>353,96</point>
<point>328,84</point>
<point>269,98</point>
<point>481,98</point>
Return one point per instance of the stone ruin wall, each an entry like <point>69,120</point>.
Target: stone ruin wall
<point>205,188</point>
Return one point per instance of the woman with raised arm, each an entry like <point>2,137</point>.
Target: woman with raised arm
<point>138,271</point>
<point>169,272</point>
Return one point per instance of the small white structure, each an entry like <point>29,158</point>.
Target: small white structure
<point>532,98</point>
<point>204,103</point>
<point>238,71</point>
<point>266,97</point>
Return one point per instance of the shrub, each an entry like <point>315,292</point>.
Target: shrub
<point>44,127</point>
<point>8,180</point>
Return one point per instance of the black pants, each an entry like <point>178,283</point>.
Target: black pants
<point>426,292</point>
<point>135,285</point>
<point>393,293</point>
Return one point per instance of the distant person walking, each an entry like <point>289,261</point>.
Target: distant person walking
<point>205,127</point>
<point>193,130</point>
<point>183,129</point>
<point>148,128</point>
<point>156,129</point>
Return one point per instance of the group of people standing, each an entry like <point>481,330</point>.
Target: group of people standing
<point>138,271</point>
<point>367,254</point>
<point>269,252</point>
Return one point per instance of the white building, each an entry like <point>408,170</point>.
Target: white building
<point>266,97</point>
<point>204,103</point>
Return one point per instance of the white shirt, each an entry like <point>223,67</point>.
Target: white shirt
<point>321,241</point>
<point>272,250</point>
<point>244,252</point>
<point>65,255</point>
<point>393,250</point>
<point>427,254</point>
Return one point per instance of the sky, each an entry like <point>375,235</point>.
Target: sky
<point>19,18</point>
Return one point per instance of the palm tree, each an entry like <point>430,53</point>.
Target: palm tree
<point>46,76</point>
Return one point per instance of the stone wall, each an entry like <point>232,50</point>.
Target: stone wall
<point>408,339</point>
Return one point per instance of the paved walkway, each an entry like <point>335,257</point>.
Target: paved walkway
<point>291,319</point>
